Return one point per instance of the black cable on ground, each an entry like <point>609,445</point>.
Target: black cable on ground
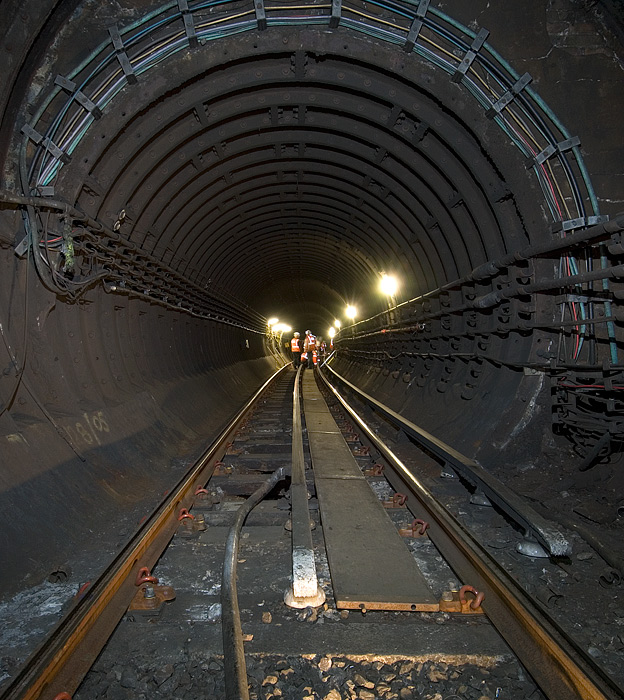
<point>233,650</point>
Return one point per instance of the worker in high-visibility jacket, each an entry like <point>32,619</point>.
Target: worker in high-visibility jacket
<point>309,348</point>
<point>295,350</point>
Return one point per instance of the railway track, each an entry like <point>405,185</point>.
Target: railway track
<point>296,611</point>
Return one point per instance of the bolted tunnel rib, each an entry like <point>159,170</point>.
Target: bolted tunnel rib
<point>174,175</point>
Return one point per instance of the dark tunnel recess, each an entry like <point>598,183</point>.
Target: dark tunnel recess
<point>173,177</point>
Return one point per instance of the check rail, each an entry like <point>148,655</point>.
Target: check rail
<point>67,654</point>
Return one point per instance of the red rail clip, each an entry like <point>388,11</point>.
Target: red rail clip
<point>416,529</point>
<point>474,604</point>
<point>221,468</point>
<point>144,576</point>
<point>455,602</point>
<point>184,514</point>
<point>82,590</point>
<point>398,501</point>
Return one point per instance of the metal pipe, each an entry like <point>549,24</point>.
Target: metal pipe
<point>548,246</point>
<point>233,650</point>
<point>387,332</point>
<point>492,267</point>
<point>544,285</point>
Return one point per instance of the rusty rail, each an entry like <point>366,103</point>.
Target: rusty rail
<point>561,669</point>
<point>64,658</point>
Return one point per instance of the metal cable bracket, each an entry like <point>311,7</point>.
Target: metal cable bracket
<point>417,24</point>
<point>79,96</point>
<point>470,56</point>
<point>260,14</point>
<point>551,150</point>
<point>509,96</point>
<point>336,13</point>
<point>189,25</point>
<point>581,222</point>
<point>121,54</point>
<point>35,136</point>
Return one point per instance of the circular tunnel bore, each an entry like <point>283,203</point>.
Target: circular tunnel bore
<point>205,168</point>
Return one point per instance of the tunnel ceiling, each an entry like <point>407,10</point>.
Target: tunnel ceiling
<point>249,151</point>
<point>246,176</point>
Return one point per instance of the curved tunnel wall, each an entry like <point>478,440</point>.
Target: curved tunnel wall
<point>277,170</point>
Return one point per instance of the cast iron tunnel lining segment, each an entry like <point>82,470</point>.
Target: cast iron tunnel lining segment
<point>440,219</point>
<point>229,169</point>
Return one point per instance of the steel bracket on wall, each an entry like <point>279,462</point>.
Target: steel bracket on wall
<point>260,14</point>
<point>417,24</point>
<point>551,150</point>
<point>189,24</point>
<point>51,147</point>
<point>470,56</point>
<point>78,95</point>
<point>121,54</point>
<point>509,96</point>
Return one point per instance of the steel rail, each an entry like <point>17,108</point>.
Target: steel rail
<point>559,666</point>
<point>305,583</point>
<point>68,653</point>
<point>544,531</point>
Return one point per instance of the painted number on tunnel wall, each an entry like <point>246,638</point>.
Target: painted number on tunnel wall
<point>89,429</point>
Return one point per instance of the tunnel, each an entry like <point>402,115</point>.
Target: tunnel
<point>176,174</point>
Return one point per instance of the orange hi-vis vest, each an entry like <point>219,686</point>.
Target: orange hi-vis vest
<point>294,345</point>
<point>311,341</point>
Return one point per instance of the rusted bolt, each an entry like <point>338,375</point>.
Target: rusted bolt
<point>148,592</point>
<point>479,596</point>
<point>447,596</point>
<point>184,514</point>
<point>144,576</point>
